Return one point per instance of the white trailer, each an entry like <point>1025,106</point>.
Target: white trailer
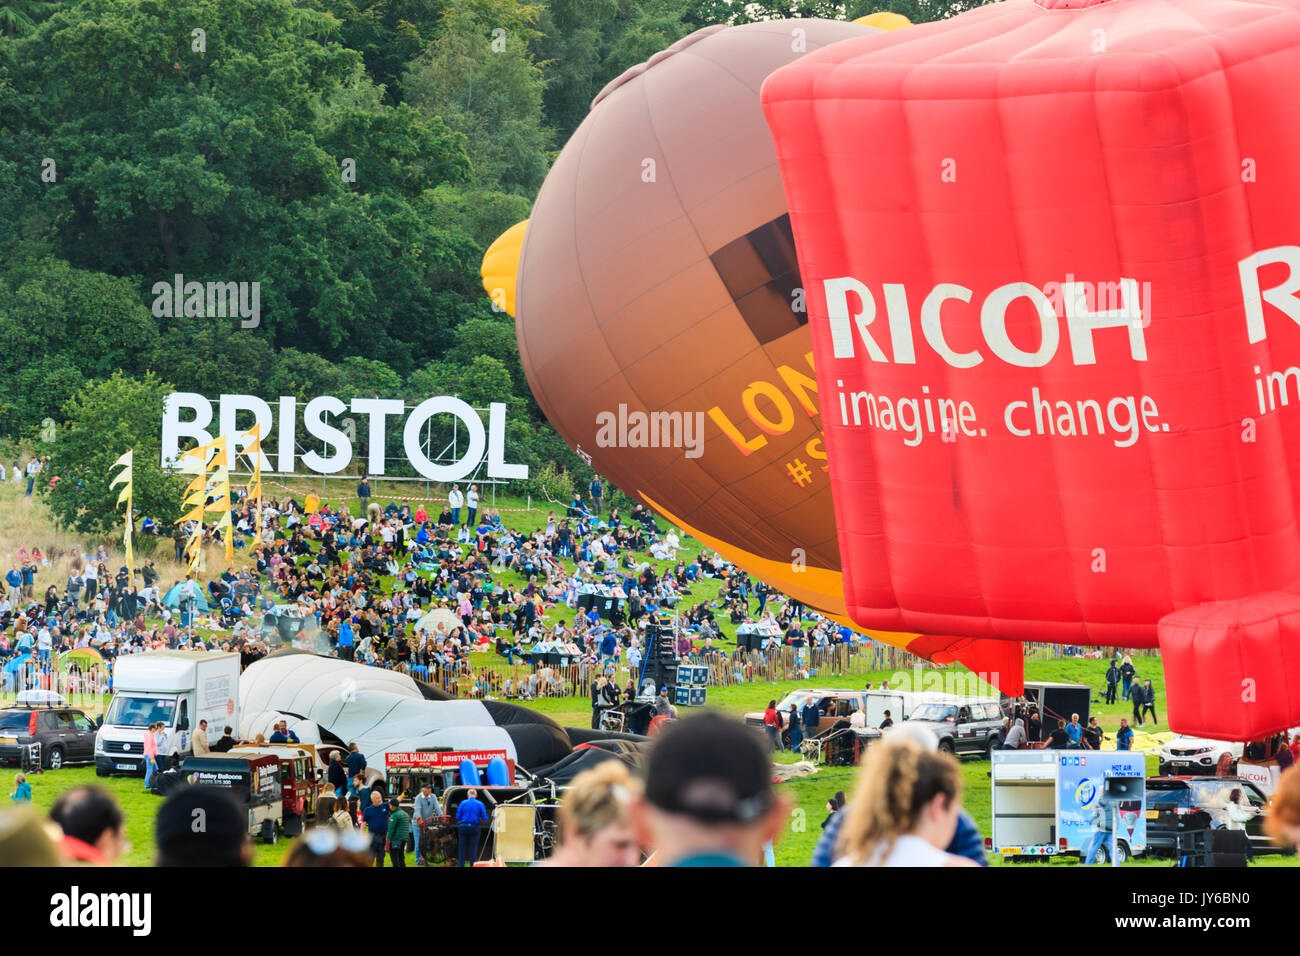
<point>1043,801</point>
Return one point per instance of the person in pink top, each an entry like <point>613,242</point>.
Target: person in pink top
<point>150,754</point>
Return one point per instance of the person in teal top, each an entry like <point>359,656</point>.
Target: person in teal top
<point>22,795</point>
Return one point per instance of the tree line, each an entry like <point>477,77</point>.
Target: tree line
<point>353,159</point>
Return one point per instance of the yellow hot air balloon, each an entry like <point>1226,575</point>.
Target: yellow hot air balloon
<point>501,264</point>
<point>884,20</point>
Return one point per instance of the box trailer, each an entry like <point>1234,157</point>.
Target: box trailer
<point>1043,801</point>
<point>1056,701</point>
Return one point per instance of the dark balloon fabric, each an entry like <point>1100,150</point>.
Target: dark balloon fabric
<point>585,757</point>
<point>1054,358</point>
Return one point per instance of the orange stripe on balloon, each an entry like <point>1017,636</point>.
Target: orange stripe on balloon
<point>820,588</point>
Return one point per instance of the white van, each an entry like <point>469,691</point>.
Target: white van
<point>178,688</point>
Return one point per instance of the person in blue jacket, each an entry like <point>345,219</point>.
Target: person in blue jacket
<point>1124,737</point>
<point>966,841</point>
<point>470,817</point>
<point>14,578</point>
<point>346,640</point>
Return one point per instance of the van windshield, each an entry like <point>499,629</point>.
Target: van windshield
<point>140,711</point>
<point>797,698</point>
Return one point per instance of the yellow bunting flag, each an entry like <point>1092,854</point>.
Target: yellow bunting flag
<point>254,449</point>
<point>126,478</point>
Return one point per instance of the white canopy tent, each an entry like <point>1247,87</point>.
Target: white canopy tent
<point>382,711</point>
<point>436,616</point>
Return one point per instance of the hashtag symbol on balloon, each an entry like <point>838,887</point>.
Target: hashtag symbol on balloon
<point>799,472</point>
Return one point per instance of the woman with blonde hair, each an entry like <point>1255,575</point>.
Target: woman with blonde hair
<point>904,810</point>
<point>594,825</point>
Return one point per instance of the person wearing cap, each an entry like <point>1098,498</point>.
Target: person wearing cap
<point>427,811</point>
<point>399,828</point>
<point>708,798</point>
<point>470,817</point>
<point>662,707</point>
<point>200,741</point>
<point>202,826</point>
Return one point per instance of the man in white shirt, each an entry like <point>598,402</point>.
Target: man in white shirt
<point>471,505</point>
<point>455,501</point>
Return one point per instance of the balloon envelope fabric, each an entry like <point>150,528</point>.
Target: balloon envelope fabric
<point>1054,359</point>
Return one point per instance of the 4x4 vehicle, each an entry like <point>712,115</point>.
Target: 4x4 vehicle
<point>1189,755</point>
<point>1178,804</point>
<point>964,725</point>
<point>65,735</point>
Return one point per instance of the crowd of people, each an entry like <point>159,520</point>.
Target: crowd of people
<point>368,578</point>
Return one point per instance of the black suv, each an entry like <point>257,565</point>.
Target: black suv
<point>1178,804</point>
<point>65,735</point>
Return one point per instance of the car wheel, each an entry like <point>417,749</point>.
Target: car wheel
<point>946,746</point>
<point>55,759</point>
<point>1121,852</point>
<point>989,746</point>
<point>101,772</point>
<point>270,834</point>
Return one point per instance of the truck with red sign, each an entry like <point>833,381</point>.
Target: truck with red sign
<point>406,771</point>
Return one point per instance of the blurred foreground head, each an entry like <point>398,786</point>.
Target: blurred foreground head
<point>202,826</point>
<point>709,799</point>
<point>25,840</point>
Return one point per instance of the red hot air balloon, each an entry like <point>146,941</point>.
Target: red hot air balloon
<point>1055,361</point>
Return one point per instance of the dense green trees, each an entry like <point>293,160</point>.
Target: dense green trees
<point>354,158</point>
<point>101,422</point>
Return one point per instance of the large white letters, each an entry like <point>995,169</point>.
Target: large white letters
<point>188,417</point>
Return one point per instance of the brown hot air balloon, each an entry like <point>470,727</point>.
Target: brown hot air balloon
<point>658,275</point>
<point>660,313</point>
